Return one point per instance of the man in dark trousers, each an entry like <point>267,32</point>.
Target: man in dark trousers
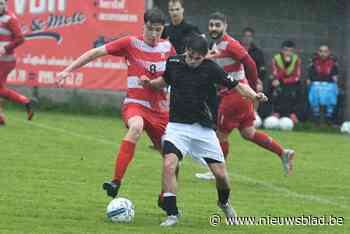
<point>178,31</point>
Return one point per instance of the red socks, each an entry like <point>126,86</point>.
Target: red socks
<point>265,141</point>
<point>125,155</point>
<point>225,148</point>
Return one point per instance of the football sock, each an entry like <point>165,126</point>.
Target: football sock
<point>223,195</point>
<point>264,140</point>
<point>125,155</point>
<point>170,204</point>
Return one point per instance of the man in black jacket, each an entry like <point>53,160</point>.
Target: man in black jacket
<point>248,38</point>
<point>178,31</point>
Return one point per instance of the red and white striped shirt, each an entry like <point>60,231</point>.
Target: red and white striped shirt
<point>142,59</point>
<point>235,60</point>
<point>10,35</point>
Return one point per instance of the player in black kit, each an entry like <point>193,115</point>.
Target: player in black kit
<point>190,128</point>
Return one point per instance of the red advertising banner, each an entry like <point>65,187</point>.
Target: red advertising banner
<point>58,31</point>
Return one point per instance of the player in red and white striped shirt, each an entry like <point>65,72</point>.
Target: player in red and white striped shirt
<point>10,38</point>
<point>144,108</point>
<point>234,110</point>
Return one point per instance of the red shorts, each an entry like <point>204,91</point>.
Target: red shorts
<point>235,111</point>
<point>154,122</point>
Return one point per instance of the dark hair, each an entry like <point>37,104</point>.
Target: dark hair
<point>198,44</point>
<point>179,1</point>
<point>248,29</point>
<point>154,16</point>
<point>288,44</point>
<point>218,16</point>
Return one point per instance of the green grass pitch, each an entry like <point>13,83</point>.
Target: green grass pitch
<point>51,171</point>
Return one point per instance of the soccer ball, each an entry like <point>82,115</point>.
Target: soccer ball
<point>258,121</point>
<point>345,127</point>
<point>271,122</point>
<point>286,124</point>
<point>120,210</point>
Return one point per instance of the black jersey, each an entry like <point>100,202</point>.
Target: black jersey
<point>192,90</point>
<point>179,34</point>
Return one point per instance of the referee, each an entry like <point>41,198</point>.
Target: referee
<point>190,128</point>
<point>178,31</point>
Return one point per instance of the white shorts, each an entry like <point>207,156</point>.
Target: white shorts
<point>194,140</point>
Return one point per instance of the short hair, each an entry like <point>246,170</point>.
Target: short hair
<point>182,2</point>
<point>198,44</point>
<point>248,29</point>
<point>288,44</point>
<point>218,16</point>
<point>154,16</point>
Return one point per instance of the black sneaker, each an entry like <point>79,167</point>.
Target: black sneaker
<point>111,188</point>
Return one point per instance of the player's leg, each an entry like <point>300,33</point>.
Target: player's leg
<point>205,145</point>
<point>6,68</point>
<point>125,155</point>
<point>262,139</point>
<point>330,101</point>
<point>224,141</point>
<point>175,145</point>
<point>3,76</point>
<point>314,101</point>
<point>155,125</point>
<point>223,188</point>
<point>2,114</point>
<point>169,184</point>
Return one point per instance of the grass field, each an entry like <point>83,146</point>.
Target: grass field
<point>51,171</point>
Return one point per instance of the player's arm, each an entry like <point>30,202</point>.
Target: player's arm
<point>252,72</point>
<point>158,83</point>
<point>239,53</point>
<point>83,60</point>
<point>116,48</point>
<point>248,92</point>
<point>226,80</point>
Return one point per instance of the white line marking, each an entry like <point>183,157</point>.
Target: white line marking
<point>68,132</point>
<point>288,193</point>
<point>283,191</point>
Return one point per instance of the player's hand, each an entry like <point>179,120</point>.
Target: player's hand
<point>60,78</point>
<point>212,54</point>
<point>2,51</point>
<point>144,81</point>
<point>261,97</point>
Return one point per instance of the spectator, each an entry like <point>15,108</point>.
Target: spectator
<point>256,53</point>
<point>178,31</point>
<point>248,41</point>
<point>286,89</point>
<point>322,82</point>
